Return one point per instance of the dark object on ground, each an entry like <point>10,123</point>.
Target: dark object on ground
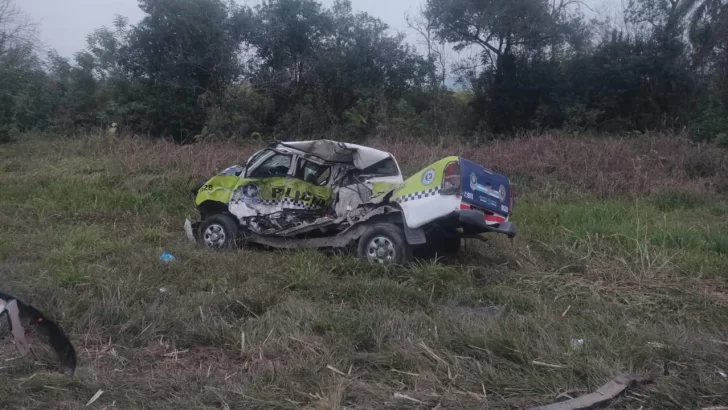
<point>604,394</point>
<point>30,316</point>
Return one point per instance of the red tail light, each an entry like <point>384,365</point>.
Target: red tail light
<point>451,180</point>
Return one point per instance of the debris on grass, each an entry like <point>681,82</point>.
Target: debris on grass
<point>577,344</point>
<point>604,394</point>
<point>17,328</point>
<point>167,257</point>
<point>95,397</point>
<point>21,315</point>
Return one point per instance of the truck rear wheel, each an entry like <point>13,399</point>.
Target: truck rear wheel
<point>385,244</point>
<point>219,232</point>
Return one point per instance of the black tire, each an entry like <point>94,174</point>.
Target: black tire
<point>390,242</point>
<point>219,232</point>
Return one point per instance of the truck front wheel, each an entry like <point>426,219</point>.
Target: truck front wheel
<point>385,244</point>
<point>218,232</point>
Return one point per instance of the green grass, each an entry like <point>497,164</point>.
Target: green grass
<point>672,201</point>
<point>641,281</point>
<point>696,236</point>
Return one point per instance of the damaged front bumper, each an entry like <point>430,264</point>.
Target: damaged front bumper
<point>191,230</point>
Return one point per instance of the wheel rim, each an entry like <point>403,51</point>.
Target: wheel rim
<point>214,236</point>
<point>381,250</point>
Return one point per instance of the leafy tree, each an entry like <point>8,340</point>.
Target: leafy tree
<point>521,43</point>
<point>328,68</point>
<point>294,68</point>
<point>178,52</point>
<point>21,72</point>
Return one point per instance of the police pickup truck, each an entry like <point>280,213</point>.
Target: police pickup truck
<point>328,194</point>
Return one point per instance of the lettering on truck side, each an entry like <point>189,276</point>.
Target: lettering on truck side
<point>303,196</point>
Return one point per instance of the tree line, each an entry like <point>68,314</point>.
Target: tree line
<point>195,69</point>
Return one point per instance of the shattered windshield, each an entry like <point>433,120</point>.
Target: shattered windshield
<point>275,166</point>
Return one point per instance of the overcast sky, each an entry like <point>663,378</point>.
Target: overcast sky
<point>64,24</point>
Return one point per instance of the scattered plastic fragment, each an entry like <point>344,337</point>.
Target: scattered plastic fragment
<point>21,315</point>
<point>17,328</point>
<point>577,344</point>
<point>167,257</point>
<point>603,395</point>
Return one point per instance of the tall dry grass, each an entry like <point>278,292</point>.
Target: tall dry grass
<point>603,165</point>
<point>541,164</point>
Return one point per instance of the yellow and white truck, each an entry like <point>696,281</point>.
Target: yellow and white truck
<point>328,194</point>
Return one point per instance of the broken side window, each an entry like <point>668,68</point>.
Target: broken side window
<point>313,173</point>
<point>384,168</point>
<point>275,166</point>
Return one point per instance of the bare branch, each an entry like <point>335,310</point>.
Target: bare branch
<point>16,28</point>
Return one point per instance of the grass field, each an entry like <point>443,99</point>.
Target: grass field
<point>621,265</point>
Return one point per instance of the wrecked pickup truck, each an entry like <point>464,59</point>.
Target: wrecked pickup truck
<point>327,194</point>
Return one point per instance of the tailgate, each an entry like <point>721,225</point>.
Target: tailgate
<point>484,188</point>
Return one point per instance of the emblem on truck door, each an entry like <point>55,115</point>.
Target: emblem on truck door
<point>249,194</point>
<point>473,181</point>
<point>428,177</point>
